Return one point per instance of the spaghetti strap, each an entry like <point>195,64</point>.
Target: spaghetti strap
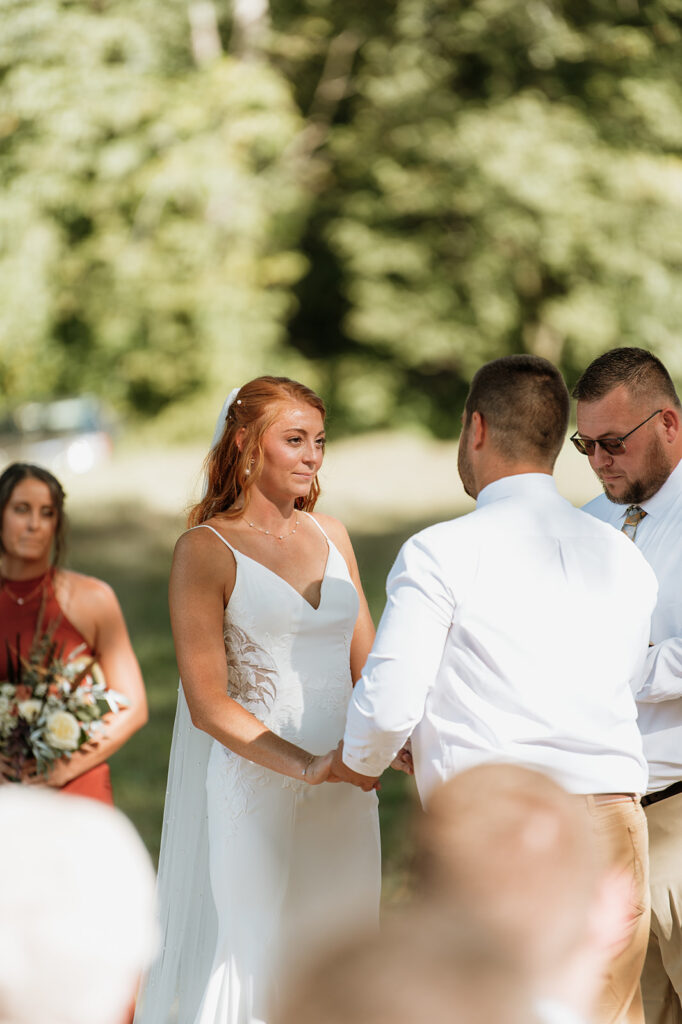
<point>219,535</point>
<point>324,534</point>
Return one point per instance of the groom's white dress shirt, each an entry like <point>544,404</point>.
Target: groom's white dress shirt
<point>659,538</point>
<point>517,632</point>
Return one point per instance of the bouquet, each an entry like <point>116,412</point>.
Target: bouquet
<point>50,705</point>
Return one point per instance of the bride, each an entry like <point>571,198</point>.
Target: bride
<point>271,629</point>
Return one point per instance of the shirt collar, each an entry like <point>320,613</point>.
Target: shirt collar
<point>660,502</point>
<point>519,485</point>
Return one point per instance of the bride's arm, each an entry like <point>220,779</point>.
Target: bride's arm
<point>202,579</point>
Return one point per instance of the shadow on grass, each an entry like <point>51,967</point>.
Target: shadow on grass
<point>132,550</point>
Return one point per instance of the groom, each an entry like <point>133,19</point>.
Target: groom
<point>513,634</point>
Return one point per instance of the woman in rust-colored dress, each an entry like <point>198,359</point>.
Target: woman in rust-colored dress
<point>85,610</point>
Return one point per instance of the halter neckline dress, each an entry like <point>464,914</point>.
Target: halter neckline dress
<point>17,629</point>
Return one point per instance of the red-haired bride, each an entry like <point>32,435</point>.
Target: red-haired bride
<point>271,628</point>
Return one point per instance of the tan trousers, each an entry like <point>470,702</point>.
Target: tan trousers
<point>662,975</point>
<point>620,827</point>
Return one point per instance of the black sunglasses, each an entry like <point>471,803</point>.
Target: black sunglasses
<point>612,445</point>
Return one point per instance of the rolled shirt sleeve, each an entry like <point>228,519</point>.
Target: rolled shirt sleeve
<point>388,700</point>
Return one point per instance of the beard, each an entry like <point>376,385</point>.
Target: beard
<point>657,472</point>
<point>464,469</point>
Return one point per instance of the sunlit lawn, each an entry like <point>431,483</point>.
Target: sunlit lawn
<point>132,551</point>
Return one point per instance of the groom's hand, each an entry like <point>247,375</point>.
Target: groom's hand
<point>402,762</point>
<point>340,772</point>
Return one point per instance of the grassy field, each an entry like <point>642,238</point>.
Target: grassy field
<point>125,518</point>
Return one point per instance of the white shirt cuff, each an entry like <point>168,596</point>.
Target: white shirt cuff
<point>371,765</point>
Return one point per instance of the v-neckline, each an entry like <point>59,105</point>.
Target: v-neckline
<point>286,583</point>
<point>242,554</point>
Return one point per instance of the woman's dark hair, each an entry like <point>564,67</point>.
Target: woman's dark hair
<point>13,475</point>
<point>231,472</point>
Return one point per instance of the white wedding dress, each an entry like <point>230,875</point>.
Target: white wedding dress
<point>293,867</point>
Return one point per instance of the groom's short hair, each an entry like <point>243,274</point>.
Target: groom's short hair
<point>525,404</point>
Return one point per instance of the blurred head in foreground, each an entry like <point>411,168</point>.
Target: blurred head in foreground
<point>420,968</point>
<point>514,858</point>
<point>77,924</point>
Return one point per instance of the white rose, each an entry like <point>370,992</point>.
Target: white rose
<point>30,709</point>
<point>63,731</point>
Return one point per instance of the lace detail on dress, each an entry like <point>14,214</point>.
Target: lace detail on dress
<point>251,672</point>
<point>238,782</point>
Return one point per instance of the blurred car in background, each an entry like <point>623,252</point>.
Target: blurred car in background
<point>70,435</point>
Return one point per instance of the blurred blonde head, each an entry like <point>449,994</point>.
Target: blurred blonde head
<point>512,850</point>
<point>77,921</point>
<point>514,857</point>
<point>420,968</point>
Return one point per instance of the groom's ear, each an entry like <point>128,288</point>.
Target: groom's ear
<point>479,430</point>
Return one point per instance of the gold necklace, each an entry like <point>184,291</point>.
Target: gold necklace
<point>278,536</point>
<point>17,598</point>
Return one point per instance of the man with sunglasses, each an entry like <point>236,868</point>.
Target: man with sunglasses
<point>491,647</point>
<point>630,428</point>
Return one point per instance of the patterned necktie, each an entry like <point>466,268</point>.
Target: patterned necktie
<point>633,517</point>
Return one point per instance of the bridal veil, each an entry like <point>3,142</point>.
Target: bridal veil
<point>173,990</point>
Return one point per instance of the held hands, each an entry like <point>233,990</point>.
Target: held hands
<point>340,772</point>
<point>330,768</point>
<point>318,769</point>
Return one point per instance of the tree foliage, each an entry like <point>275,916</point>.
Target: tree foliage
<point>508,178</point>
<point>149,211</point>
<point>378,196</point>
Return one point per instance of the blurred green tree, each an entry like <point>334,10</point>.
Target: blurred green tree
<point>150,208</point>
<point>377,197</point>
<point>503,177</point>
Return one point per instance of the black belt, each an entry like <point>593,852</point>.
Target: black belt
<point>662,794</point>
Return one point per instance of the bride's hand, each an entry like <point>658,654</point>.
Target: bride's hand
<point>318,769</point>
